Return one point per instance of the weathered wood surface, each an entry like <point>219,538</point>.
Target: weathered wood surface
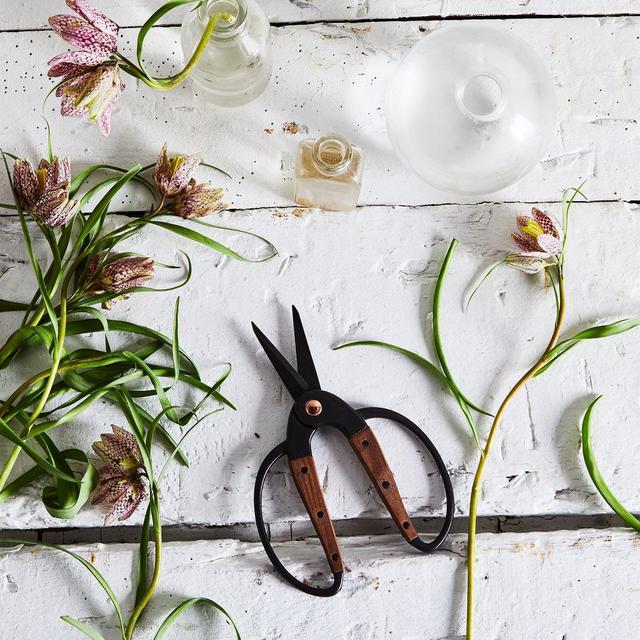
<point>33,15</point>
<point>537,586</point>
<point>370,275</point>
<point>333,77</point>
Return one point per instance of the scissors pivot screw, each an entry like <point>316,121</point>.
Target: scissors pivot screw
<point>313,408</point>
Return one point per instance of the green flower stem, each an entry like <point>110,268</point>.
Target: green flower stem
<point>166,84</point>
<point>53,372</point>
<point>477,480</point>
<point>157,534</point>
<point>57,356</point>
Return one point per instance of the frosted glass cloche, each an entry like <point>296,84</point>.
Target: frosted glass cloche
<point>471,109</point>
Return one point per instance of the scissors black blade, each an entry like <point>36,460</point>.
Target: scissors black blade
<point>306,367</point>
<point>296,385</point>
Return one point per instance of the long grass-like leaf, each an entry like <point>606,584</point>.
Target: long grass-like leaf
<point>436,330</point>
<point>84,628</point>
<point>187,604</point>
<point>45,465</point>
<point>429,366</point>
<point>596,476</point>
<point>44,292</point>
<point>195,236</point>
<point>175,347</point>
<point>9,305</point>
<point>592,333</point>
<point>85,563</point>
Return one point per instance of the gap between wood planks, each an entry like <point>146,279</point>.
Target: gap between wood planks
<point>430,205</point>
<point>297,530</point>
<point>424,18</point>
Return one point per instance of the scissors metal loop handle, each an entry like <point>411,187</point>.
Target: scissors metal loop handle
<point>329,542</point>
<point>370,454</point>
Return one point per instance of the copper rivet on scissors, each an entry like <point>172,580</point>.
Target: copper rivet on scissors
<point>313,408</point>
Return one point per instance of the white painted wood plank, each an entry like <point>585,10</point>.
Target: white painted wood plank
<point>535,586</point>
<point>31,15</point>
<point>370,275</point>
<point>333,77</point>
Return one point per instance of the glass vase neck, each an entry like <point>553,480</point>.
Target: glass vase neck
<point>224,28</point>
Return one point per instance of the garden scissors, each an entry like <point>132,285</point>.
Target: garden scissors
<point>314,408</point>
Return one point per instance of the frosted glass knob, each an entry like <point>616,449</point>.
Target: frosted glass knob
<point>471,109</point>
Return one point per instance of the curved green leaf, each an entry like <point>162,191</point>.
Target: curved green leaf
<point>81,626</point>
<point>592,333</point>
<point>187,604</point>
<point>429,366</point>
<point>85,563</point>
<point>596,476</point>
<point>9,305</point>
<point>45,465</point>
<point>195,236</point>
<point>65,507</point>
<point>436,330</point>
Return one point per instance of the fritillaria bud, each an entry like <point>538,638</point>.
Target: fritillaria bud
<point>45,193</point>
<point>198,200</point>
<point>122,478</point>
<point>172,175</point>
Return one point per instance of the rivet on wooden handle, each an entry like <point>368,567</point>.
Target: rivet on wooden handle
<point>368,450</point>
<point>305,475</point>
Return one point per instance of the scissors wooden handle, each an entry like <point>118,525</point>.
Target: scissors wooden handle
<point>369,452</point>
<point>305,475</point>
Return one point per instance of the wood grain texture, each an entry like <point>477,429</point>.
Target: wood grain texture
<point>578,584</point>
<point>376,282</point>
<point>370,454</point>
<point>33,15</point>
<point>305,476</point>
<point>333,77</point>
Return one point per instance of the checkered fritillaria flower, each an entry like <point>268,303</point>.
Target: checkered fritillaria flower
<point>94,94</point>
<point>45,192</point>
<point>92,32</point>
<point>92,83</point>
<point>198,200</point>
<point>119,275</point>
<point>540,240</point>
<point>172,175</point>
<point>122,483</point>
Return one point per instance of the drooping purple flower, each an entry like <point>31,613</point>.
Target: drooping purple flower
<point>74,63</point>
<point>540,239</point>
<point>198,200</point>
<point>94,93</point>
<point>122,478</point>
<point>92,32</point>
<point>172,175</point>
<point>45,193</point>
<point>118,276</point>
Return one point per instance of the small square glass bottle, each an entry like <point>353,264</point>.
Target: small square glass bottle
<point>328,173</point>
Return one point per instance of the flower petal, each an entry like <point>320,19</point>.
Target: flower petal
<point>549,244</point>
<point>548,222</point>
<point>25,182</point>
<point>528,263</point>
<point>524,242</point>
<point>83,35</point>
<point>95,17</point>
<point>75,62</point>
<point>104,121</point>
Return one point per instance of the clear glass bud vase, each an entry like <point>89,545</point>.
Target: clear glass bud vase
<point>235,67</point>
